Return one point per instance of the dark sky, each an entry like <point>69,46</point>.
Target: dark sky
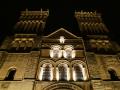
<point>61,13</point>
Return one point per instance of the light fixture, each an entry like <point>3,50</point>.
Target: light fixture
<point>68,73</point>
<point>74,74</point>
<point>41,73</point>
<point>57,74</point>
<point>83,72</point>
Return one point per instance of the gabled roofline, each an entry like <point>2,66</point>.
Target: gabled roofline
<point>62,30</point>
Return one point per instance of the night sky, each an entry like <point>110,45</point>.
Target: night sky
<point>61,13</point>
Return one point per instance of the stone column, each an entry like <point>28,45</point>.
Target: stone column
<point>54,73</point>
<point>71,73</point>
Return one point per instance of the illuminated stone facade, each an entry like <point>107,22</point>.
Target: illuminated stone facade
<point>29,60</point>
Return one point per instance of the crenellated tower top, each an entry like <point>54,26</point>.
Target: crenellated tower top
<point>31,21</point>
<point>90,23</point>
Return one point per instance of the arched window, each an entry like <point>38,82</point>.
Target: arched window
<point>113,75</point>
<point>68,51</point>
<point>56,51</point>
<point>79,72</point>
<point>63,72</point>
<point>46,72</point>
<point>10,74</point>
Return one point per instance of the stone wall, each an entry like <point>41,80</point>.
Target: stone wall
<point>92,65</point>
<point>17,61</point>
<point>105,85</point>
<point>31,68</point>
<point>106,62</point>
<point>111,85</point>
<point>16,85</point>
<point>2,58</point>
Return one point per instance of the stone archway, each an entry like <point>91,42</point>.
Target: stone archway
<point>62,86</point>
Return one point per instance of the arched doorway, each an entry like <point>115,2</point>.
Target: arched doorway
<point>113,75</point>
<point>62,86</point>
<point>63,89</point>
<point>10,74</point>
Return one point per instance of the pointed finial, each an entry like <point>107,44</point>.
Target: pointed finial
<point>41,10</point>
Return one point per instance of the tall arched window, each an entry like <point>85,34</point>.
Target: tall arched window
<point>46,72</point>
<point>79,72</point>
<point>10,74</point>
<point>68,51</point>
<point>63,72</point>
<point>113,75</point>
<point>56,51</point>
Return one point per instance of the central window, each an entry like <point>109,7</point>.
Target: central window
<point>63,72</point>
<point>56,51</point>
<point>68,51</point>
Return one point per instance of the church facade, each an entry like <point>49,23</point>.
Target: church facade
<point>61,60</point>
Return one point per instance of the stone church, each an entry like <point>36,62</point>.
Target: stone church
<point>61,60</point>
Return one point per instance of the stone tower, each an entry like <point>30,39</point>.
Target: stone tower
<point>29,60</point>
